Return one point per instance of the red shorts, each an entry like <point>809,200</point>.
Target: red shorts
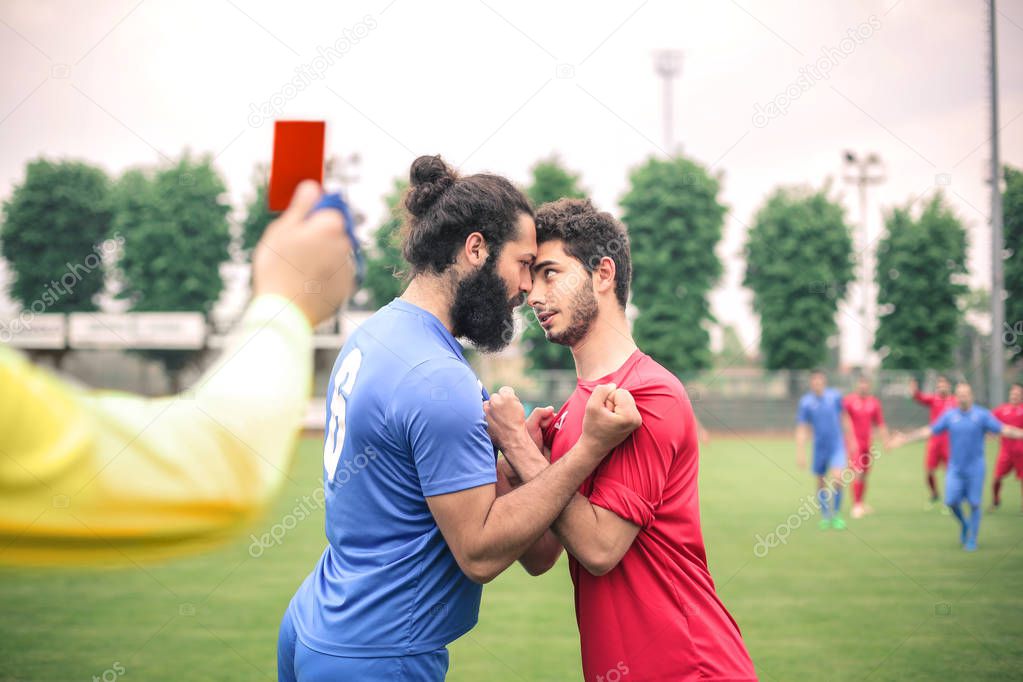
<point>937,453</point>
<point>1009,460</point>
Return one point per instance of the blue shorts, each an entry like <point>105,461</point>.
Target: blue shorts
<point>830,456</point>
<point>965,484</point>
<point>297,662</point>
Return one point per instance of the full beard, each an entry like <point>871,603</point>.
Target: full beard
<point>481,311</point>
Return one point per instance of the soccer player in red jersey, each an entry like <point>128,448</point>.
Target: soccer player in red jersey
<point>865,413</point>
<point>645,601</point>
<point>937,446</point>
<point>1010,454</point>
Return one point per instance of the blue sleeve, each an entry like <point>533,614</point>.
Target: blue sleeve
<point>940,425</point>
<point>991,423</point>
<point>437,412</point>
<point>803,414</point>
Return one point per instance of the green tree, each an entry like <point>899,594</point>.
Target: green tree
<point>551,181</point>
<point>1012,209</point>
<point>798,265</point>
<point>53,228</point>
<point>675,221</point>
<point>175,229</point>
<point>257,213</point>
<point>918,264</point>
<point>384,263</point>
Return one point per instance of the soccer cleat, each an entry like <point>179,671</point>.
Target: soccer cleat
<point>838,523</point>
<point>970,546</point>
<point>929,505</point>
<point>858,511</point>
<point>944,510</point>
<point>824,524</point>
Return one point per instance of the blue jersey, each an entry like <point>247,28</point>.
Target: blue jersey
<point>966,434</point>
<point>404,422</point>
<point>824,413</point>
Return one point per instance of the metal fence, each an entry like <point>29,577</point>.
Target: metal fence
<point>735,399</point>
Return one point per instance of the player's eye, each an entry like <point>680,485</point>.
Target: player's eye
<point>548,272</point>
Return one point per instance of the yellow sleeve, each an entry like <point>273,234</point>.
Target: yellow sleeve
<point>100,476</point>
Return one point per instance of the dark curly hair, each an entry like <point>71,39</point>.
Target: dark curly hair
<point>444,208</point>
<point>588,236</point>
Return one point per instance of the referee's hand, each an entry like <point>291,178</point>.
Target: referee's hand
<point>305,258</point>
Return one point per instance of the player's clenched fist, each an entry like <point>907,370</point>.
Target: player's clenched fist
<point>611,415</point>
<point>506,418</point>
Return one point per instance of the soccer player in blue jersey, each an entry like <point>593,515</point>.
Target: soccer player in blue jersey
<point>413,521</point>
<point>966,425</point>
<point>821,409</point>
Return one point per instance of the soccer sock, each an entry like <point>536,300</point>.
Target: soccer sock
<point>838,499</point>
<point>932,484</point>
<point>996,491</point>
<point>958,512</point>
<point>822,497</point>
<point>974,521</point>
<point>857,487</point>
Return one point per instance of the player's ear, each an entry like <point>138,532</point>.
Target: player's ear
<point>475,249</point>
<point>604,275</point>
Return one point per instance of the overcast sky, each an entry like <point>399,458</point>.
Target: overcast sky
<point>496,85</point>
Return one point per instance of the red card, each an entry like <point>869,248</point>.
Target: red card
<point>298,156</point>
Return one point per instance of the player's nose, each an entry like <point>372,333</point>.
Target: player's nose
<point>526,283</point>
<point>535,297</point>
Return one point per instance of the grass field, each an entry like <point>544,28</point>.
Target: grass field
<point>892,598</point>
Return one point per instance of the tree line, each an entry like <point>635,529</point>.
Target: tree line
<point>171,222</point>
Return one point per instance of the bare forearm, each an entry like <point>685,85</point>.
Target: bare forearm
<point>542,554</point>
<point>1012,431</point>
<point>800,439</point>
<point>517,520</point>
<point>578,529</point>
<point>912,436</point>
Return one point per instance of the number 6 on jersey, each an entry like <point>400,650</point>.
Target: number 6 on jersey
<point>344,381</point>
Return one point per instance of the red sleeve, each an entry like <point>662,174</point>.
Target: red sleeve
<point>923,398</point>
<point>630,482</point>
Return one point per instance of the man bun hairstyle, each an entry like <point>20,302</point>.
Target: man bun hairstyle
<point>429,177</point>
<point>588,235</point>
<point>444,208</point>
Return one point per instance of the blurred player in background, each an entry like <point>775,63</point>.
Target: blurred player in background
<point>106,476</point>
<point>865,413</point>
<point>413,521</point>
<point>821,409</point>
<point>937,445</point>
<point>645,601</point>
<point>1010,452</point>
<point>966,425</point>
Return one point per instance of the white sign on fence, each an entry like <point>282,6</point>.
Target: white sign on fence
<point>169,331</point>
<point>44,331</point>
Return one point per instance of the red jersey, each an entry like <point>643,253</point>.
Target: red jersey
<point>938,405</point>
<point>864,413</point>
<point>1010,414</point>
<point>656,614</point>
